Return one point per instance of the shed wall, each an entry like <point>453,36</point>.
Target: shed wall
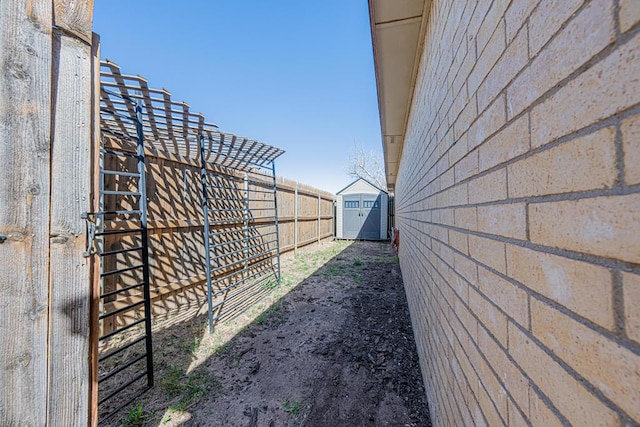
<point>518,206</point>
<point>384,215</point>
<point>362,187</point>
<point>339,217</point>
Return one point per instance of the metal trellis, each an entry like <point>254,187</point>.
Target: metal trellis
<point>239,212</point>
<point>242,261</point>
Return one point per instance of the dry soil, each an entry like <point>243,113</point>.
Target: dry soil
<point>332,346</point>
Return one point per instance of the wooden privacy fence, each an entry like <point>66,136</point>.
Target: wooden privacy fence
<point>176,202</point>
<point>177,250</point>
<point>46,53</point>
<point>187,219</point>
<point>57,299</point>
<point>176,227</point>
<point>305,214</point>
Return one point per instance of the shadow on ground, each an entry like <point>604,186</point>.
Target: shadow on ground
<point>332,346</point>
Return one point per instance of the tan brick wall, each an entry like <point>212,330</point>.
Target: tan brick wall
<point>518,204</point>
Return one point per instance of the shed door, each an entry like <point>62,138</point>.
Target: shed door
<point>351,219</point>
<point>361,216</point>
<point>370,217</point>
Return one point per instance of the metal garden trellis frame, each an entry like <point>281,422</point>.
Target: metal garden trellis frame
<point>254,247</point>
<point>238,178</point>
<point>101,225</point>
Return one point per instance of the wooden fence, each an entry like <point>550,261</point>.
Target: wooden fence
<point>305,213</point>
<point>243,232</point>
<point>176,236</point>
<point>46,54</point>
<point>49,111</point>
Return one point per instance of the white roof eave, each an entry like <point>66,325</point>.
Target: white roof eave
<point>397,28</point>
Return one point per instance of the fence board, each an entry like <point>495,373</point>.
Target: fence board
<point>178,285</point>
<point>25,118</point>
<point>94,332</point>
<point>68,343</point>
<point>74,17</point>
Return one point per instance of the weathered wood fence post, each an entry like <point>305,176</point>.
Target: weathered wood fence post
<point>319,220</point>
<point>46,120</point>
<point>295,221</point>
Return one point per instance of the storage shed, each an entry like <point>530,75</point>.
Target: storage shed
<point>361,211</point>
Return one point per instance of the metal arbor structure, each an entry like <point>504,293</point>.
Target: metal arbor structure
<point>238,211</point>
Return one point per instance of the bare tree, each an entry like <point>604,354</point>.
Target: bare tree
<point>367,164</point>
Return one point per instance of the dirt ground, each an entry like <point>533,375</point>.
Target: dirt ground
<point>331,347</point>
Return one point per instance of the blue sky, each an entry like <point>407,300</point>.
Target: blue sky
<point>295,74</point>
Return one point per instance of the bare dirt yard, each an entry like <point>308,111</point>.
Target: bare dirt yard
<point>332,346</point>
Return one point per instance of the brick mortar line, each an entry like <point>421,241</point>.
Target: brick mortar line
<point>611,263</point>
<point>527,222</point>
<point>480,112</point>
<point>474,286</point>
<point>567,368</point>
<point>588,385</point>
<point>594,60</point>
<point>580,256</point>
<point>528,291</point>
<point>474,343</point>
<point>525,24</point>
<point>622,341</point>
<point>464,29</point>
<point>620,163</point>
<point>614,120</point>
<point>457,52</point>
<point>616,18</point>
<point>435,145</point>
<point>438,361</point>
<point>484,357</point>
<point>610,121</point>
<point>601,124</point>
<point>475,36</point>
<point>446,19</point>
<point>620,40</point>
<point>489,171</point>
<point>614,191</point>
<point>531,59</point>
<point>617,296</point>
<point>438,306</point>
<point>444,362</point>
<point>475,94</point>
<point>443,116</point>
<point>462,86</point>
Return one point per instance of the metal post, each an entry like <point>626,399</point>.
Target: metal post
<point>275,214</point>
<point>246,219</point>
<point>319,219</point>
<point>207,233</point>
<point>142,188</point>
<point>295,221</point>
<point>100,240</point>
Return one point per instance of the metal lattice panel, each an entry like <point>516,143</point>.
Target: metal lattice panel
<point>170,126</point>
<point>239,213</point>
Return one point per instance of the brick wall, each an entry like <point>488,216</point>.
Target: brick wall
<point>518,204</point>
